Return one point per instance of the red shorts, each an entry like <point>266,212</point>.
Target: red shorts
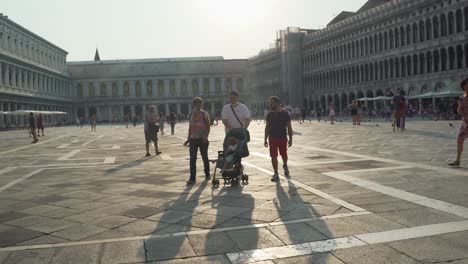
<point>278,144</point>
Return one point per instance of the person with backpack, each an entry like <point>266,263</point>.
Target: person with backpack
<point>151,130</point>
<point>197,138</point>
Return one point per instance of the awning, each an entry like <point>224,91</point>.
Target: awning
<point>365,99</point>
<point>35,112</point>
<point>441,94</point>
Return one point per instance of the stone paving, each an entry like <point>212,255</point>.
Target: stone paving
<point>357,194</point>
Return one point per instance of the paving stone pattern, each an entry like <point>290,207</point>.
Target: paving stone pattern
<point>96,191</point>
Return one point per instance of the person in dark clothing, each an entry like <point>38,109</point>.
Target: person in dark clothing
<point>277,122</point>
<point>40,124</point>
<point>172,121</point>
<point>32,127</point>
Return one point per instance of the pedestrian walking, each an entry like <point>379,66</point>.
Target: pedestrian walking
<point>399,108</point>
<point>172,122</point>
<point>151,129</point>
<point>277,122</point>
<point>235,114</point>
<point>162,119</point>
<point>197,138</point>
<point>32,127</point>
<point>354,112</point>
<point>331,115</point>
<point>92,121</point>
<point>40,124</point>
<point>319,114</point>
<point>463,131</point>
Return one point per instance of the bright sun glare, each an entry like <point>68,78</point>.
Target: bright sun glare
<point>237,11</point>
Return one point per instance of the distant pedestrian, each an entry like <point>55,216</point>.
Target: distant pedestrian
<point>172,122</point>
<point>331,115</point>
<point>151,129</point>
<point>92,121</point>
<point>463,112</point>
<point>40,124</point>
<point>319,114</point>
<point>162,119</point>
<point>275,136</point>
<point>354,112</point>
<point>399,109</point>
<point>197,138</point>
<point>32,127</point>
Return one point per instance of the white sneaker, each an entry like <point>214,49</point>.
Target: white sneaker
<point>275,177</point>
<point>286,170</point>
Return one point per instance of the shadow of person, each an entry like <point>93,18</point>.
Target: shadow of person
<point>170,239</point>
<point>127,165</point>
<point>233,208</point>
<point>291,201</point>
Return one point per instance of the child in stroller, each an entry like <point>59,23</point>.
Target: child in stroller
<point>229,159</point>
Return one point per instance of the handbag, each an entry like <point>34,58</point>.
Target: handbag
<point>246,132</point>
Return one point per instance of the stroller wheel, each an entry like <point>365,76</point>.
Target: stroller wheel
<point>234,182</point>
<point>245,179</point>
<point>215,183</point>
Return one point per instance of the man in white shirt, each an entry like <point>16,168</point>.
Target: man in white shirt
<point>242,112</point>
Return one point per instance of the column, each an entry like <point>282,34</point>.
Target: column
<point>98,113</point>
<point>143,112</point>
<point>86,112</point>
<point>122,114</point>
<point>1,110</point>
<point>178,109</point>
<point>20,78</point>
<point>166,112</point>
<point>212,110</point>
<point>7,75</point>
<point>13,77</point>
<point>212,86</point>
<point>420,106</point>
<point>1,79</point>
<point>167,88</point>
<point>109,89</point>
<point>177,87</point>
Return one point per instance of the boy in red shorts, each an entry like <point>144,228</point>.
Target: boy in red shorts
<point>275,132</point>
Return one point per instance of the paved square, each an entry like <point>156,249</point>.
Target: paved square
<point>357,194</point>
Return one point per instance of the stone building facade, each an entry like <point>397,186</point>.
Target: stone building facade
<point>115,89</point>
<point>416,46</point>
<point>33,74</point>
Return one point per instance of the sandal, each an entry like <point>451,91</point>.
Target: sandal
<point>455,163</point>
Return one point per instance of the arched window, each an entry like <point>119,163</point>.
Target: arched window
<point>415,65</point>
<point>103,90</point>
<point>436,58</point>
<point>115,91</point>
<point>408,34</point>
<point>371,44</point>
<point>137,88</point>
<point>240,85</point>
<point>361,47</point>
<point>451,53</point>
<point>371,72</point>
<point>91,90</point>
<point>428,29</point>
<point>465,14</point>
<point>195,88</point>
<point>466,55</point>
<point>183,88</point>
<point>428,62</point>
<point>458,21</point>
<point>443,25</point>
<point>422,63</point>
<point>451,23</point>
<point>172,88</point>
<point>366,46</point>
<point>402,36</point>
<point>443,58</point>
<point>415,33</point>
<point>435,24</point>
<point>391,67</point>
<point>421,31</point>
<point>459,57</point>
<point>390,39</point>
<point>386,71</point>
<point>160,88</point>
<point>381,70</point>
<point>149,88</point>
<point>397,38</point>
<point>397,68</point>
<point>381,44</point>
<point>408,65</point>
<point>79,90</point>
<point>385,40</point>
<point>218,86</point>
<point>126,89</point>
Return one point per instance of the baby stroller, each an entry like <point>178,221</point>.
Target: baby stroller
<point>229,159</point>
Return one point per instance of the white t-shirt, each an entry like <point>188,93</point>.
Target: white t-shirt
<point>242,112</point>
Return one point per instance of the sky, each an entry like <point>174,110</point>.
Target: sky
<point>135,29</point>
